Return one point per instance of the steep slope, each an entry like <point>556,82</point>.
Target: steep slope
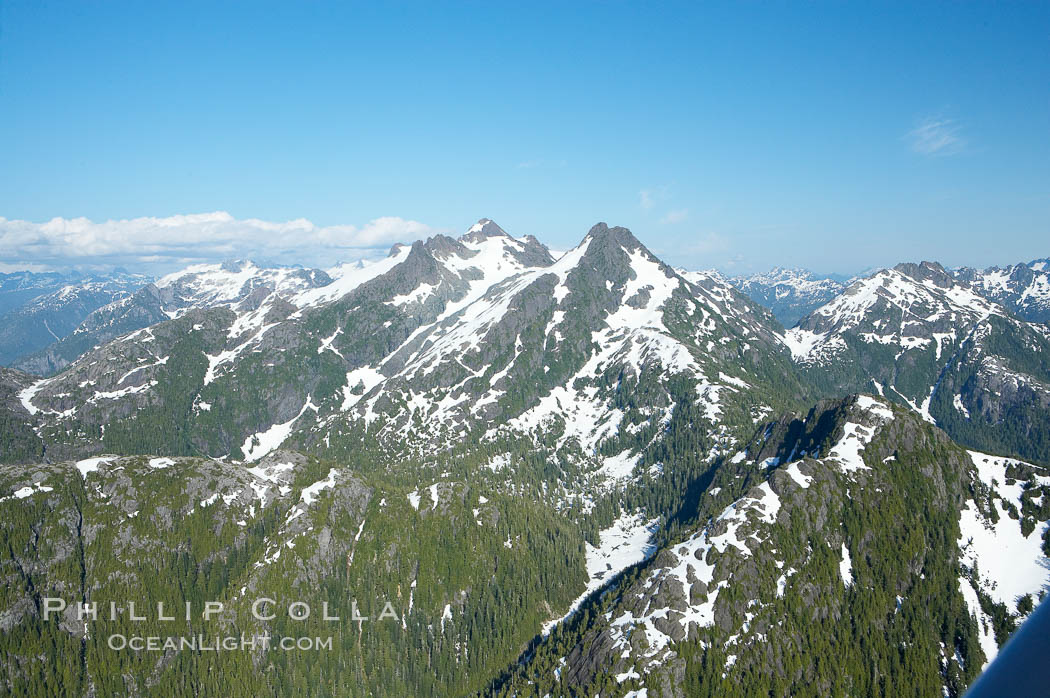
<point>1021,288</point>
<point>925,339</point>
<point>49,317</point>
<point>19,443</point>
<point>858,551</point>
<point>790,293</point>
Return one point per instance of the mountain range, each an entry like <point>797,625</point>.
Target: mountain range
<point>790,293</point>
<point>590,474</point>
<point>37,310</point>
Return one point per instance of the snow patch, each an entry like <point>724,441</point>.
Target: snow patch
<point>855,436</point>
<point>258,445</point>
<point>625,543</point>
<point>792,469</point>
<point>620,466</point>
<point>27,491</point>
<point>90,465</point>
<point>1010,564</point>
<point>802,343</point>
<point>414,498</point>
<point>846,567</point>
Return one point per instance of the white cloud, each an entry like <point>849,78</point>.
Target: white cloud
<point>936,136</point>
<point>675,216</point>
<point>196,237</point>
<point>6,268</point>
<point>645,199</point>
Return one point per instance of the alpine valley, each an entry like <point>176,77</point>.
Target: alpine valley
<point>507,472</point>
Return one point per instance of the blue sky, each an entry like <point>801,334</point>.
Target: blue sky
<point>836,136</point>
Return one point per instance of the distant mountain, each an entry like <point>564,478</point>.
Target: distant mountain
<point>202,286</point>
<point>926,339</point>
<point>1022,288</point>
<point>789,293</point>
<point>20,287</point>
<point>52,315</point>
<point>238,282</point>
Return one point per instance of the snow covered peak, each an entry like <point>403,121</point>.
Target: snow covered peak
<point>790,293</point>
<point>467,268</point>
<point>776,275</point>
<point>531,345</point>
<point>200,272</point>
<point>441,267</point>
<point>209,285</point>
<point>924,291</point>
<point>1022,288</point>
<point>788,276</point>
<point>484,228</point>
<point>914,306</point>
<point>482,224</point>
<point>927,272</point>
<point>118,286</point>
<point>612,256</point>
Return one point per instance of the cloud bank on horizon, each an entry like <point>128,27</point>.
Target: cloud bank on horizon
<point>176,241</point>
